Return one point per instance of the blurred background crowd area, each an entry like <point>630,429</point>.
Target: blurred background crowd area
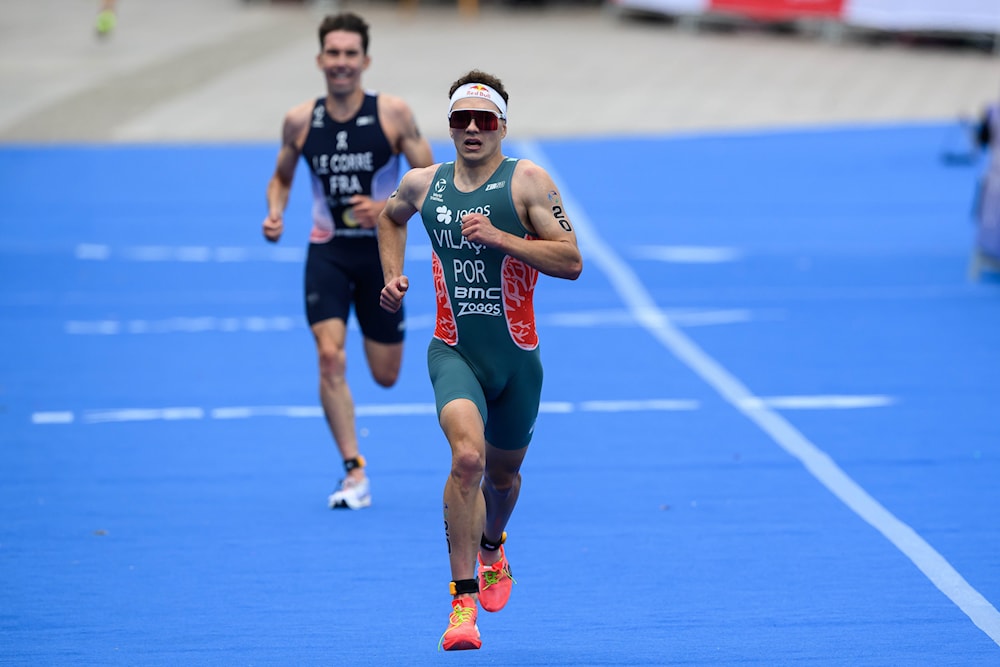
<point>943,23</point>
<point>227,70</point>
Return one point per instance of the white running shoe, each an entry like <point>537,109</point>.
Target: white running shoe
<point>352,494</point>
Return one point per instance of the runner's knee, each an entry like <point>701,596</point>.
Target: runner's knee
<point>467,465</point>
<point>385,376</point>
<point>500,482</point>
<point>332,360</point>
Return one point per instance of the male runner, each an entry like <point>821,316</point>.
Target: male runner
<point>494,222</point>
<point>351,140</point>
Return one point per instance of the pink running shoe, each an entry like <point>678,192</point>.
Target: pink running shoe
<point>495,583</point>
<point>462,633</point>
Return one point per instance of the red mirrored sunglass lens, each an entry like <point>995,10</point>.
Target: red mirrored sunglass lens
<point>486,121</point>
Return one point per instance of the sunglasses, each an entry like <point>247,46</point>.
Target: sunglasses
<point>486,120</point>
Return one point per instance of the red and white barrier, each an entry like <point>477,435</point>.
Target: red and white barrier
<point>779,9</point>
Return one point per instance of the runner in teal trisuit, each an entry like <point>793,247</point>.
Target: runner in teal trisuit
<point>494,222</point>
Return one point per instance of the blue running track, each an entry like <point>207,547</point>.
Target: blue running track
<point>769,434</point>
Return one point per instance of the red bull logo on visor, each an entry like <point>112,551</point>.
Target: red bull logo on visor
<point>478,90</point>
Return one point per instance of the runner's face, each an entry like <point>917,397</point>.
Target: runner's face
<point>342,61</point>
<point>472,142</point>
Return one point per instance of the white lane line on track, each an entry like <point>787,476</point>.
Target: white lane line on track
<point>143,414</point>
<point>674,254</point>
<point>102,252</point>
<point>171,325</point>
<point>420,409</point>
<point>270,323</point>
<point>816,461</point>
<point>688,317</point>
<point>668,405</point>
<point>55,417</point>
<point>823,402</point>
<point>315,411</point>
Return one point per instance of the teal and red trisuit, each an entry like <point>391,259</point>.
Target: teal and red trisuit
<point>342,265</point>
<point>485,344</point>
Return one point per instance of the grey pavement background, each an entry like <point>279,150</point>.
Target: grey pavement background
<point>226,70</point>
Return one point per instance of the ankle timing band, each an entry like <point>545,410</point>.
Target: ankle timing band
<point>357,462</point>
<point>464,586</point>
<point>492,546</point>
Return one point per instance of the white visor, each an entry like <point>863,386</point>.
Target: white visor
<point>480,91</point>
